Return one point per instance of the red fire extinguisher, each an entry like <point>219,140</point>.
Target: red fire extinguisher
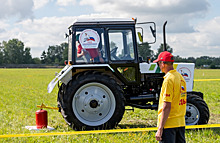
<point>41,119</point>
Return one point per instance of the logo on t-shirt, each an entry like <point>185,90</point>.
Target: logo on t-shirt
<point>183,88</point>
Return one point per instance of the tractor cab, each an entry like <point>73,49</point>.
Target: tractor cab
<point>108,41</point>
<point>105,41</point>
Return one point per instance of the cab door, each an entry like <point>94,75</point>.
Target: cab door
<point>123,54</point>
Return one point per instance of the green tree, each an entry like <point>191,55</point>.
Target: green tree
<point>179,59</point>
<point>160,49</point>
<point>36,60</point>
<point>203,60</point>
<point>1,54</point>
<point>144,51</point>
<point>191,60</point>
<point>213,66</point>
<point>43,57</point>
<point>51,52</point>
<point>14,52</point>
<point>27,56</point>
<point>65,52</point>
<point>55,54</point>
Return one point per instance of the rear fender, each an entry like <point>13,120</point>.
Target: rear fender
<point>200,94</point>
<point>65,75</point>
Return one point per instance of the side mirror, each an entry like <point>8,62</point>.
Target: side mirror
<point>146,31</point>
<point>65,35</point>
<point>153,31</point>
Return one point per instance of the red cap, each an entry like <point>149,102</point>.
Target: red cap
<point>165,56</point>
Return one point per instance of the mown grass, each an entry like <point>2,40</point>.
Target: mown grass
<point>22,89</point>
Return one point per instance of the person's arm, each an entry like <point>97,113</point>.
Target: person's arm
<point>165,113</point>
<point>80,54</point>
<point>80,51</point>
<point>100,56</point>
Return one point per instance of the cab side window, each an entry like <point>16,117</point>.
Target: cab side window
<point>121,45</point>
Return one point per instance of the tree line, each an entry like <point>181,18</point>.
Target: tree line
<point>200,62</point>
<point>14,52</point>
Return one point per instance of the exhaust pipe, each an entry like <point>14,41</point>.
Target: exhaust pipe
<point>164,37</point>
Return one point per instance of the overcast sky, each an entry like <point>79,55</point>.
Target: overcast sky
<point>193,27</point>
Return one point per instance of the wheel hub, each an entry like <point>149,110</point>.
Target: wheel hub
<point>192,114</point>
<point>188,114</point>
<point>93,104</point>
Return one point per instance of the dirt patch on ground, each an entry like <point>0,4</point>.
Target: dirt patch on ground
<point>214,118</point>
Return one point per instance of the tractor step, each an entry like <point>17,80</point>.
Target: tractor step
<point>146,106</point>
<point>143,97</point>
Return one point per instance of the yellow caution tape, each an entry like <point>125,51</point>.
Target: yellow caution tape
<point>104,131</point>
<point>48,107</point>
<point>206,79</point>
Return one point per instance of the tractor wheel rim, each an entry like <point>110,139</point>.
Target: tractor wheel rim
<point>192,114</point>
<point>93,104</point>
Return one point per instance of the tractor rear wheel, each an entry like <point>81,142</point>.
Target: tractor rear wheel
<point>93,101</point>
<point>197,111</point>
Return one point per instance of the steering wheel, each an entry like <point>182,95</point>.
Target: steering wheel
<point>113,53</point>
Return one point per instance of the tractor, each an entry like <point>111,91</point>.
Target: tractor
<point>104,73</point>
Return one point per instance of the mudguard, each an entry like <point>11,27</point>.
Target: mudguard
<point>65,75</point>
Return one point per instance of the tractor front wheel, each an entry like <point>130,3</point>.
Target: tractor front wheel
<point>93,101</point>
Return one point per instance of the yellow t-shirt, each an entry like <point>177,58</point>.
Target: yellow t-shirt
<point>173,90</point>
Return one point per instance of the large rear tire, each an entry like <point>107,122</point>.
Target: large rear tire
<point>93,101</point>
<point>197,111</point>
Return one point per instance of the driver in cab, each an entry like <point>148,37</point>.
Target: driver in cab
<point>91,55</point>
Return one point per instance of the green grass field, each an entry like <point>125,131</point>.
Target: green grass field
<point>22,89</point>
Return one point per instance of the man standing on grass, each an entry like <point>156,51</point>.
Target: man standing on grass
<point>172,102</point>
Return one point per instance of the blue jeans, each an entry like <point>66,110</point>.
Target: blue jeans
<point>173,135</point>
